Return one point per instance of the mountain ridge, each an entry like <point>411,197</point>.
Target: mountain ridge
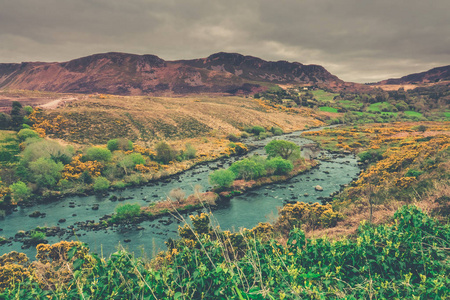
<point>133,74</point>
<point>433,75</point>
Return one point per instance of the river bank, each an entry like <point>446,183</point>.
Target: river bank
<point>240,211</point>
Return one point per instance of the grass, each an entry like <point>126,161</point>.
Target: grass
<point>328,109</point>
<point>321,95</point>
<point>151,119</point>
<point>447,114</point>
<point>411,113</point>
<point>379,106</point>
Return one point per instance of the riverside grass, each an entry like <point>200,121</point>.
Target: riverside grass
<point>405,259</point>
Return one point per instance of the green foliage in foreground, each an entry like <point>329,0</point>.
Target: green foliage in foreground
<point>407,259</point>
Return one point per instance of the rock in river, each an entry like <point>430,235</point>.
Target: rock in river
<point>318,188</point>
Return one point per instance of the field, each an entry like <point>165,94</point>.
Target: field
<point>147,120</point>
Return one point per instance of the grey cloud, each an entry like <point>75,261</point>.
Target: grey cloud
<point>355,40</point>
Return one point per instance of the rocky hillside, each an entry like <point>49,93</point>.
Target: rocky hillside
<point>431,76</point>
<point>129,74</point>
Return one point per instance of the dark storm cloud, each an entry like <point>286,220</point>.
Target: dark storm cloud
<point>356,40</point>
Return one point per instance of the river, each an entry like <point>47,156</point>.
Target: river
<point>247,210</point>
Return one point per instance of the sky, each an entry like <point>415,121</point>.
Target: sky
<point>356,40</point>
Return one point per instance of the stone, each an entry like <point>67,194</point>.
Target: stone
<point>318,188</point>
<point>35,214</point>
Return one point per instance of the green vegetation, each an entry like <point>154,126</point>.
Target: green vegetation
<point>405,259</point>
<point>165,153</point>
<point>282,148</point>
<point>119,144</point>
<point>328,109</point>
<point>101,184</point>
<point>24,134</point>
<point>126,212</point>
<point>222,178</point>
<point>413,113</point>
<point>98,154</point>
<point>45,172</point>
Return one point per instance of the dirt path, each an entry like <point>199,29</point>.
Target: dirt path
<point>55,103</point>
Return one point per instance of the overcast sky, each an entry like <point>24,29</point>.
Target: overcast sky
<point>356,40</point>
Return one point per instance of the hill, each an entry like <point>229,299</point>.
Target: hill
<point>434,75</point>
<point>130,74</point>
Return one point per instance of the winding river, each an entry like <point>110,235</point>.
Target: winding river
<point>258,205</point>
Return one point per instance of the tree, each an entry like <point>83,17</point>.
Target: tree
<point>101,184</point>
<point>165,153</point>
<point>248,168</point>
<point>5,121</point>
<point>36,148</point>
<point>129,161</point>
<point>19,191</point>
<point>46,172</point>
<point>222,178</point>
<point>98,154</point>
<point>120,144</point>
<point>282,148</point>
<point>279,166</point>
<point>177,195</point>
<point>24,134</point>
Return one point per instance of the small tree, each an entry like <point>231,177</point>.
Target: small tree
<point>279,166</point>
<point>256,130</point>
<point>189,151</point>
<point>19,191</point>
<point>101,184</point>
<point>98,154</point>
<point>177,195</point>
<point>119,144</point>
<point>248,169</point>
<point>165,153</point>
<point>46,172</point>
<point>24,134</point>
<point>222,178</point>
<point>282,148</point>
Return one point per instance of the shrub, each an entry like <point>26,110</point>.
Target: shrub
<point>276,131</point>
<point>165,153</point>
<point>119,144</point>
<point>25,133</point>
<point>232,137</point>
<point>256,130</point>
<point>19,190</point>
<point>413,173</point>
<point>112,145</point>
<point>248,168</point>
<point>119,184</point>
<point>36,236</point>
<point>244,135</point>
<point>279,166</point>
<point>126,212</point>
<point>189,151</point>
<point>36,148</point>
<point>263,135</point>
<point>101,184</point>
<point>46,172</point>
<point>370,155</point>
<point>177,195</point>
<point>222,178</point>
<point>98,153</point>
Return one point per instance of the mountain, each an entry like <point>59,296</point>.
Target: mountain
<point>130,74</point>
<point>431,76</point>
